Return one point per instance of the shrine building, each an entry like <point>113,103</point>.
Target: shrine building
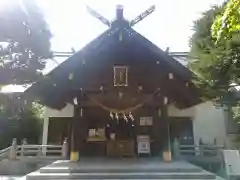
<point>121,89</point>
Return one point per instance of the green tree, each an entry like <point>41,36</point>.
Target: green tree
<point>217,64</point>
<point>24,42</point>
<point>24,50</point>
<point>227,24</point>
<point>19,119</point>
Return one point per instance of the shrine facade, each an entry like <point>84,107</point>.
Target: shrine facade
<point>121,95</point>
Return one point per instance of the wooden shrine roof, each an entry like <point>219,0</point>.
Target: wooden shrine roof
<point>50,90</point>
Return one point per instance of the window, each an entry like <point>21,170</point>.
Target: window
<point>120,76</point>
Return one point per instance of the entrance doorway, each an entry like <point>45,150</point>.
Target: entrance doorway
<point>182,128</point>
<point>108,135</point>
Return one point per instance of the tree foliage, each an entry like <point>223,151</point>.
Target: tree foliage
<point>227,24</point>
<point>24,42</point>
<point>217,64</point>
<point>19,119</point>
<point>24,49</point>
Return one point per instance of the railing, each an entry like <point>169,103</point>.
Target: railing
<point>39,151</point>
<point>4,153</point>
<point>47,151</point>
<point>201,153</point>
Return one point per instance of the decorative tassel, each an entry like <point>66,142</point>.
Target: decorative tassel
<point>131,116</point>
<point>116,116</point>
<point>111,115</point>
<point>125,117</point>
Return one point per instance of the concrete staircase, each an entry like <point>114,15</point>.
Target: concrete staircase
<point>120,169</point>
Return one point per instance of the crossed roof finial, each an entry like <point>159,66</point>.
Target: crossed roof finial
<point>120,17</point>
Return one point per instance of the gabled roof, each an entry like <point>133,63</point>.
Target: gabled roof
<point>45,88</point>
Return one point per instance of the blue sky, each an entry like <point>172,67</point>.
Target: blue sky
<point>72,26</point>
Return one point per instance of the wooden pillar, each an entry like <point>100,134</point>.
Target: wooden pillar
<point>45,131</point>
<point>176,149</point>
<point>65,149</point>
<point>74,155</point>
<point>167,156</point>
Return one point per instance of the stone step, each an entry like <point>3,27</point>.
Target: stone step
<point>138,175</point>
<point>129,169</point>
<point>218,178</point>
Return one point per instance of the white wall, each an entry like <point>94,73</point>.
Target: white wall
<point>175,112</point>
<point>209,123</point>
<point>65,112</point>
